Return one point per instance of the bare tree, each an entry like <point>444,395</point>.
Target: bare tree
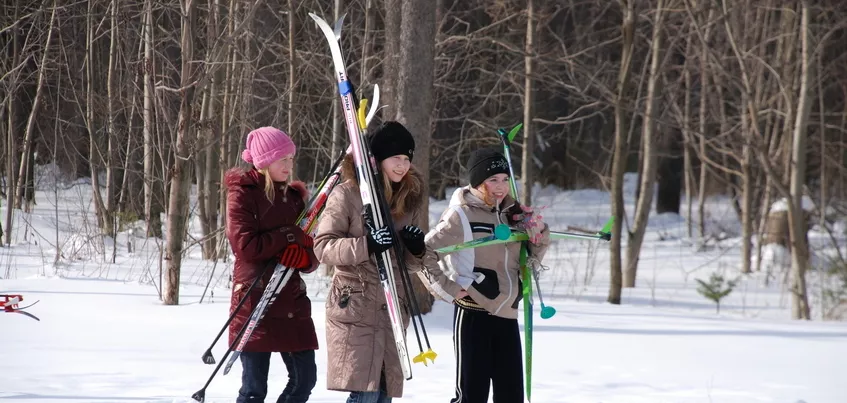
<point>622,102</point>
<point>414,100</point>
<point>180,173</point>
<point>528,160</point>
<point>152,206</point>
<point>797,218</point>
<point>26,154</point>
<point>648,139</point>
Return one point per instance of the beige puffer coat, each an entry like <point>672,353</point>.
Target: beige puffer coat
<point>490,274</point>
<point>359,339</point>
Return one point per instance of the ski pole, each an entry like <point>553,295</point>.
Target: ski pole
<point>200,395</point>
<point>546,311</point>
<point>525,270</point>
<point>208,358</point>
<point>415,314</point>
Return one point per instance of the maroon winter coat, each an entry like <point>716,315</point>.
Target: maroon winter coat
<point>253,226</point>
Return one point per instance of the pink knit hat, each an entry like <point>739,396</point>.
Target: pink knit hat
<point>266,145</point>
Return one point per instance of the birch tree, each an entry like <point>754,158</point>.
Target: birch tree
<point>649,144</point>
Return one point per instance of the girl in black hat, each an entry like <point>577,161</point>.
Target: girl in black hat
<point>362,357</point>
<point>484,283</point>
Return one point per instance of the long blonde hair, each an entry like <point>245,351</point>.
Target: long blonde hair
<point>269,184</point>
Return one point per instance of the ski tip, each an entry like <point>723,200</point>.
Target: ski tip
<point>374,106</point>
<point>228,366</point>
<point>514,132</point>
<point>337,28</point>
<point>607,227</point>
<point>316,18</point>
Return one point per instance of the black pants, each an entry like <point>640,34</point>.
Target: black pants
<point>302,376</point>
<point>488,355</point>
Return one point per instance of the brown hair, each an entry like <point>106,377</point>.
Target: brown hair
<point>397,198</point>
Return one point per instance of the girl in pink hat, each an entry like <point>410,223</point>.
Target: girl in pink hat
<point>261,212</point>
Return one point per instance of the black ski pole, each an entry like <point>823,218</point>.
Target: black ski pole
<point>200,395</point>
<point>399,252</point>
<point>208,358</point>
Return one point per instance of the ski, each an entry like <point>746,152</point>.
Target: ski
<point>368,175</point>
<point>517,235</point>
<point>10,305</point>
<point>526,275</point>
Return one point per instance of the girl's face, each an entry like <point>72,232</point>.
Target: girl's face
<point>280,170</point>
<point>497,186</point>
<point>396,167</point>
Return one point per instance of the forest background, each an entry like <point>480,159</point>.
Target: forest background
<point>151,101</point>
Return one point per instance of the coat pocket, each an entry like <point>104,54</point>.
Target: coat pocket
<point>346,304</point>
<point>490,285</point>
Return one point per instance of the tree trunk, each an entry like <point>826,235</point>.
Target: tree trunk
<point>688,140</point>
<point>292,90</point>
<point>797,217</point>
<point>746,190</point>
<point>622,109</point>
<point>208,163</point>
<point>704,86</point>
<point>26,161</point>
<point>181,172</point>
<point>414,100</point>
<point>391,59</point>
<point>11,128</point>
<point>109,226</point>
<point>228,108</point>
<point>648,136</point>
<point>152,204</point>
<point>201,153</point>
<point>528,160</point>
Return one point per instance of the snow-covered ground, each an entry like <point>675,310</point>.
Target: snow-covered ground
<point>104,335</point>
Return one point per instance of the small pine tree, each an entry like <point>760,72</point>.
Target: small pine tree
<point>716,289</point>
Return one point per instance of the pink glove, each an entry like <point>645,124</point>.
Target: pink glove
<point>530,222</point>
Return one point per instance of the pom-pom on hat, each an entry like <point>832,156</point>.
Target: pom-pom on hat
<point>484,163</point>
<point>266,145</point>
<point>390,139</point>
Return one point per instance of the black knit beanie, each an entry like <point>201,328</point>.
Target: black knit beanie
<point>484,163</point>
<point>389,139</point>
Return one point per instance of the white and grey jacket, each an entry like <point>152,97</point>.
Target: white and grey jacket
<point>490,274</point>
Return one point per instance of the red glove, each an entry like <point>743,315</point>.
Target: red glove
<point>295,257</point>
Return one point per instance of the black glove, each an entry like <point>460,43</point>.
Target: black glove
<point>379,239</point>
<point>413,238</point>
